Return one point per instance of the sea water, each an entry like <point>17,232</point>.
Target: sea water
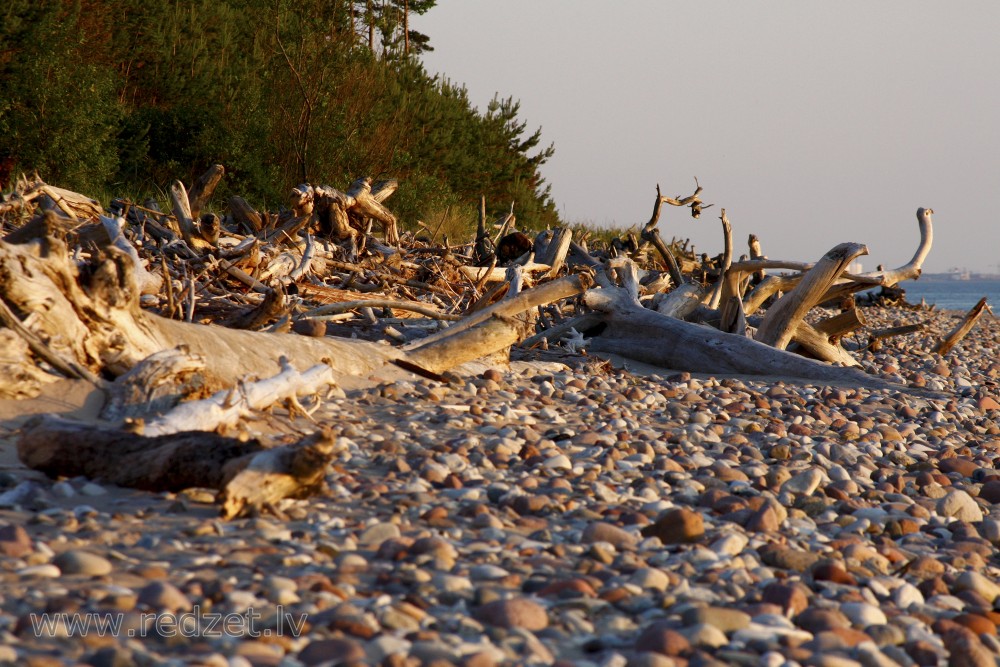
<point>953,294</point>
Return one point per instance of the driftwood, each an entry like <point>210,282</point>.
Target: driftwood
<point>782,319</point>
<point>961,331</point>
<point>645,335</point>
<point>248,476</point>
<point>876,336</point>
<point>96,315</point>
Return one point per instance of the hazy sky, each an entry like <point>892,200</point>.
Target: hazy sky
<point>811,123</point>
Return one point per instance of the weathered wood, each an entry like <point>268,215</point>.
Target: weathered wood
<point>154,386</point>
<point>546,293</point>
<point>961,331</point>
<point>912,269</point>
<point>22,375</point>
<point>64,448</point>
<point>225,408</point>
<point>753,244</point>
<point>781,320</point>
<point>840,325</point>
<point>203,189</point>
<point>727,259</point>
<point>245,215</point>
<point>294,471</point>
<point>878,335</point>
<point>185,220</point>
<point>818,346</point>
<point>368,204</point>
<point>644,335</point>
<point>558,331</point>
<point>767,288</point>
<point>489,330</point>
<point>495,274</point>
<point>556,250</point>
<point>376,302</point>
<point>652,236</point>
<point>104,330</point>
<point>681,301</point>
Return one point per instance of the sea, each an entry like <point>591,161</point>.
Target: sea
<point>953,294</point>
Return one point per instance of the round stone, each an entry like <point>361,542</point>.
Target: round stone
<point>514,613</point>
<point>960,506</point>
<point>82,563</point>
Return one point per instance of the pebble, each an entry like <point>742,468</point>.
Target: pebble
<point>514,613</point>
<point>960,506</point>
<point>163,596</point>
<point>726,620</point>
<point>15,541</point>
<point>677,526</point>
<point>862,614</point>
<point>976,582</point>
<point>605,532</point>
<point>82,563</point>
<point>803,483</point>
<point>661,638</point>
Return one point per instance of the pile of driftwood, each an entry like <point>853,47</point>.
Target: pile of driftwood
<point>162,307</point>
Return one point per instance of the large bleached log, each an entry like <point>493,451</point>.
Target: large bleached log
<point>94,319</point>
<point>645,335</point>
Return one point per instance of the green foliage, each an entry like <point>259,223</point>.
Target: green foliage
<point>58,113</point>
<point>128,95</point>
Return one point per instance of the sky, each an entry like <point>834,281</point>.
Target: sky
<point>811,123</point>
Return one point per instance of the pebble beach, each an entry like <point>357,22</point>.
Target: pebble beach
<point>551,513</point>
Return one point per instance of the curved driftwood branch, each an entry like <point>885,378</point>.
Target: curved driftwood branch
<point>727,260</point>
<point>912,269</point>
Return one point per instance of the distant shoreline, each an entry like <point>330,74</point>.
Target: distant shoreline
<point>946,278</point>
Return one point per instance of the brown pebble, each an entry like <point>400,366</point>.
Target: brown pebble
<point>494,375</point>
<point>815,619</point>
<point>764,520</point>
<point>961,465</point>
<point>338,651</point>
<point>790,597</point>
<point>986,403</point>
<point>990,492</point>
<point>677,526</point>
<point>925,567</point>
<point>977,623</point>
<point>569,588</point>
<point>850,636</point>
<point>14,541</point>
<point>833,572</point>
<point>514,613</point>
<point>660,638</point>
